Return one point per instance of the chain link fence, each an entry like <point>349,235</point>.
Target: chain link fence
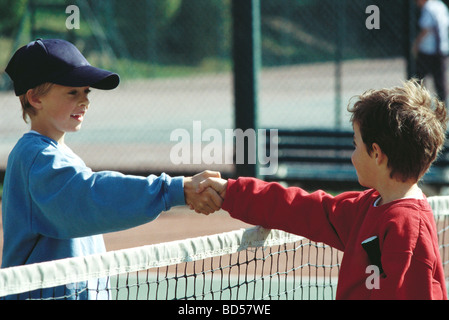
<point>175,62</point>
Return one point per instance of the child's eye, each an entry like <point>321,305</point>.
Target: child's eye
<point>75,92</point>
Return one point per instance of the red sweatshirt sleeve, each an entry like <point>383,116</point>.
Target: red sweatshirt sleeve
<point>317,216</point>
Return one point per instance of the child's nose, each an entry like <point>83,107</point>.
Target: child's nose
<point>85,102</point>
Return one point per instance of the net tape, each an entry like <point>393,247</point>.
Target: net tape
<point>72,270</point>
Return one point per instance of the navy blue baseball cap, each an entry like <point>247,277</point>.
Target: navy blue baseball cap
<point>56,61</point>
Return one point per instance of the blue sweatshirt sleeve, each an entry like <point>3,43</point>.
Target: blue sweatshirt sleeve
<point>69,200</point>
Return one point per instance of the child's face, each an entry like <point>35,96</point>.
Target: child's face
<point>61,110</point>
<point>362,161</point>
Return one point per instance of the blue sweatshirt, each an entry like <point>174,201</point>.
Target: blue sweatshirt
<point>55,207</point>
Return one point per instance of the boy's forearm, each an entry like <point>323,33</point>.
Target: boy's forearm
<point>290,209</point>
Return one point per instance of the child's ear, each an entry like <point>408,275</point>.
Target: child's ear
<point>378,154</point>
<point>33,99</point>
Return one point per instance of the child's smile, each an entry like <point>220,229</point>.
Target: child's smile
<point>78,116</point>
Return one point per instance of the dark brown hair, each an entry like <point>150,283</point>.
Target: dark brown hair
<point>406,122</point>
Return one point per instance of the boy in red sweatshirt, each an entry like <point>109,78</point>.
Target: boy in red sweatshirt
<point>398,133</point>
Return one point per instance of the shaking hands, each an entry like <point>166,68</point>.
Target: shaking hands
<point>205,192</point>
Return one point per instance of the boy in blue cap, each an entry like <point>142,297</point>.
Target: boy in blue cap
<point>54,206</point>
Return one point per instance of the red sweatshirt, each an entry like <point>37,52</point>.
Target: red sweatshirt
<point>410,258</point>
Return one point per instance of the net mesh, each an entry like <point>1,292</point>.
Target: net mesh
<point>253,263</point>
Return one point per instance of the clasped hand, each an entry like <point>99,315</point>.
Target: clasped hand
<point>205,192</point>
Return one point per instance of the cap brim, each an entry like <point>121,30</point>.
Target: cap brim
<point>89,76</point>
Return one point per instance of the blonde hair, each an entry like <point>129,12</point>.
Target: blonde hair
<point>406,122</point>
<point>27,109</point>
